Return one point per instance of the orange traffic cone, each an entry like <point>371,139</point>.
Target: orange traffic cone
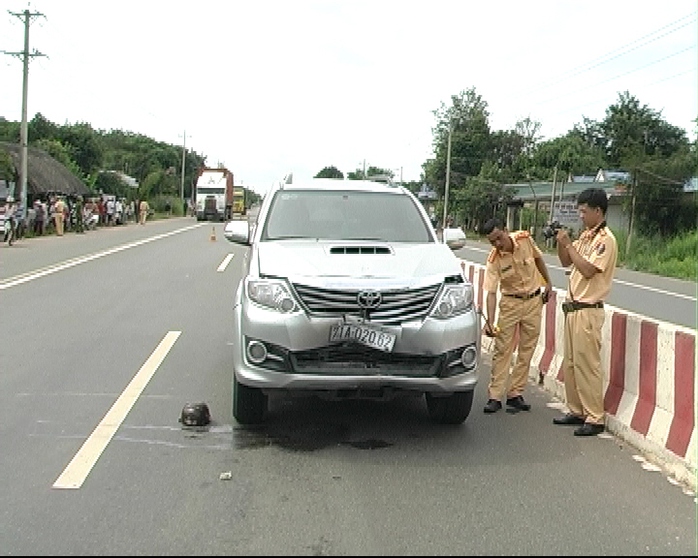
<point>213,234</point>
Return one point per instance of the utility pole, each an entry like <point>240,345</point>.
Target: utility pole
<point>632,214</point>
<point>184,157</point>
<point>23,140</point>
<point>448,173</point>
<point>552,196</point>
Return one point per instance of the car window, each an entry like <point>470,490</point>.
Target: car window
<point>344,215</point>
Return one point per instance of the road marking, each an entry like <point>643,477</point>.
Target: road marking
<point>619,281</point>
<point>80,466</point>
<point>225,263</point>
<point>30,276</point>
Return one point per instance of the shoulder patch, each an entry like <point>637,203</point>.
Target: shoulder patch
<point>492,256</point>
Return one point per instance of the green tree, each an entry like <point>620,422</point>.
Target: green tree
<point>371,171</point>
<point>467,118</point>
<point>658,155</point>
<point>111,183</point>
<point>40,128</point>
<point>571,153</point>
<point>9,131</point>
<point>84,145</point>
<point>60,153</point>
<point>7,168</point>
<point>330,172</point>
<point>628,124</point>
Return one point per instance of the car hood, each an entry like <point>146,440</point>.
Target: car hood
<point>403,265</point>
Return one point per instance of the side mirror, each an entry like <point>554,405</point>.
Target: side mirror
<point>237,232</point>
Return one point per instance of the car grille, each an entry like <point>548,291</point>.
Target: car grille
<point>397,306</point>
<point>353,359</point>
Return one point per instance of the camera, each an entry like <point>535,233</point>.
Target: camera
<point>550,230</point>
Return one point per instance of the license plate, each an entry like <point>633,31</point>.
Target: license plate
<point>363,334</point>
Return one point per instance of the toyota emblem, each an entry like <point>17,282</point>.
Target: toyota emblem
<point>369,300</point>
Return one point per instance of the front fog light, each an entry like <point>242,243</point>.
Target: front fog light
<point>256,352</point>
<point>469,357</point>
<point>445,308</point>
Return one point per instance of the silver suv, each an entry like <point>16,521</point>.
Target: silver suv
<point>348,293</point>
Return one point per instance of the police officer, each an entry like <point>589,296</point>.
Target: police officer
<point>59,215</point>
<point>593,260</point>
<point>515,265</point>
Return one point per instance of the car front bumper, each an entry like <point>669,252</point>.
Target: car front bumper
<point>293,352</point>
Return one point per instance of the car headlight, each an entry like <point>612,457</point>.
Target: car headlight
<point>454,300</point>
<point>272,294</point>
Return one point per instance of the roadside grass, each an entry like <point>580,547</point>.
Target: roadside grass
<point>674,257</point>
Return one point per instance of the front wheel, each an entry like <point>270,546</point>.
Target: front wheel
<point>249,404</point>
<point>452,409</point>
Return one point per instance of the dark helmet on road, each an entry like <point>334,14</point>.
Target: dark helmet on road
<point>195,414</point>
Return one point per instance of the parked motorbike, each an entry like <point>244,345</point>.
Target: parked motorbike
<point>90,221</point>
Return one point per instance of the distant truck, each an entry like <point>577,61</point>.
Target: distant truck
<point>215,191</point>
<point>239,204</point>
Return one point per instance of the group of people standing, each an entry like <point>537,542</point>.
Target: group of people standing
<point>60,213</point>
<point>516,267</point>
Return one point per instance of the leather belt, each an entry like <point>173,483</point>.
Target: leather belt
<point>573,306</point>
<point>525,296</point>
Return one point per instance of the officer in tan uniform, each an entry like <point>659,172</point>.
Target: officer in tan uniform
<point>143,211</point>
<point>593,260</point>
<point>59,216</point>
<point>515,265</point>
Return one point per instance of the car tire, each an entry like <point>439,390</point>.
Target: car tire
<point>249,404</point>
<point>452,409</point>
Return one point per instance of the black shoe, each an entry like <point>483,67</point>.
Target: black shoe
<point>492,406</point>
<point>589,429</point>
<point>569,419</point>
<point>518,403</point>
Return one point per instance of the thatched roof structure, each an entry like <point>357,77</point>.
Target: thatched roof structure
<point>44,173</point>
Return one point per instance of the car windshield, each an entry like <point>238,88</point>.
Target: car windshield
<point>345,215</point>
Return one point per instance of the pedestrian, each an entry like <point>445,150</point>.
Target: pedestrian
<point>593,259</point>
<point>515,266</point>
<point>59,215</point>
<point>79,216</point>
<point>143,210</point>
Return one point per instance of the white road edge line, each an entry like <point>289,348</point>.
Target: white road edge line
<point>80,466</point>
<point>18,280</point>
<point>224,263</point>
<point>621,282</point>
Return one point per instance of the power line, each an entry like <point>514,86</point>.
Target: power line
<point>614,54</point>
<point>660,177</point>
<point>575,91</point>
<point>603,99</point>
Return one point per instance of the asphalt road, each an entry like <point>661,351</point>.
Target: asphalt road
<point>108,335</point>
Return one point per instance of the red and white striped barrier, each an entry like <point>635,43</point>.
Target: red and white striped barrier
<point>650,377</point>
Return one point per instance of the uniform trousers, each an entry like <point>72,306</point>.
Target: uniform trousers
<point>516,317</point>
<point>582,364</point>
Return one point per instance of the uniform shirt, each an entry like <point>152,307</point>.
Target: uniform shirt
<point>516,271</point>
<point>600,249</point>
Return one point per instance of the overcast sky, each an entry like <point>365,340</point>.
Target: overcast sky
<point>277,86</point>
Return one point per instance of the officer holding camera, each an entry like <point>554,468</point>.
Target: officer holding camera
<point>515,265</point>
<point>593,260</point>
